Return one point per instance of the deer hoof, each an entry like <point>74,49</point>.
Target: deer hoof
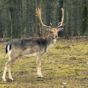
<point>11,79</point>
<point>40,76</point>
<point>4,79</point>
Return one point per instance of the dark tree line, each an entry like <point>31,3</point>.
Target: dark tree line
<point>18,20</point>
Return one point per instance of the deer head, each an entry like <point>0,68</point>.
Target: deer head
<point>53,31</point>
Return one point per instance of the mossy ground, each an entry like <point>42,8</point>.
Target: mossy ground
<point>64,66</point>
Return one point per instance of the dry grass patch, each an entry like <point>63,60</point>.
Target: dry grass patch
<point>64,66</point>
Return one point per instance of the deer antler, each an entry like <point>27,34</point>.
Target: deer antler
<point>38,14</point>
<point>62,19</point>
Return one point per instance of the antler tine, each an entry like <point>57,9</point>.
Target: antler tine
<point>39,14</point>
<point>62,19</point>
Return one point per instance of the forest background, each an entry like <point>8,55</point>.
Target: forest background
<point>18,19</point>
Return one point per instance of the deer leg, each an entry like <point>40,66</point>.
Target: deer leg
<point>39,73</point>
<point>4,73</point>
<point>9,72</point>
<point>7,68</point>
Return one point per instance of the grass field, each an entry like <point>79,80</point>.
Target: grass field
<point>64,66</point>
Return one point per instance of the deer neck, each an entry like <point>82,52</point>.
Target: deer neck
<point>51,40</point>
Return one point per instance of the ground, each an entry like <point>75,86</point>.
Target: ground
<point>64,66</point>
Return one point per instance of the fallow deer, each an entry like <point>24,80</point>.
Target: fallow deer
<point>15,49</point>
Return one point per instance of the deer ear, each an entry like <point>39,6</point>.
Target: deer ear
<point>60,29</point>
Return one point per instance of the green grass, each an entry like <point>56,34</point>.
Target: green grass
<point>64,66</point>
